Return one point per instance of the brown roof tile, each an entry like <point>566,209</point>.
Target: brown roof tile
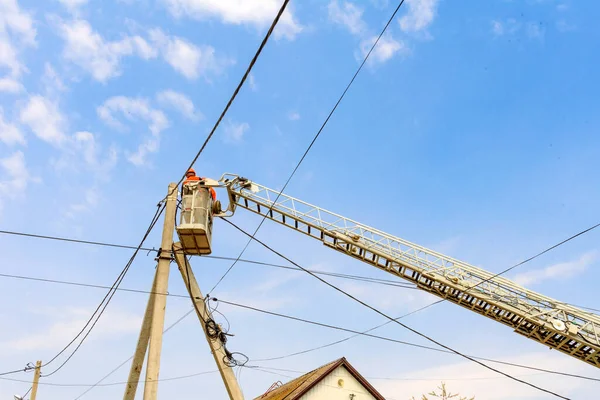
<point>294,389</point>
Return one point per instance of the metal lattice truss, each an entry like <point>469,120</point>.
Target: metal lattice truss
<point>557,325</point>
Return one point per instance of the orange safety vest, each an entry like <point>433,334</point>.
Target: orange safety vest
<point>194,178</point>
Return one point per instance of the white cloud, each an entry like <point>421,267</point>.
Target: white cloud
<point>558,271</point>
<point>15,24</point>
<point>10,134</point>
<point>564,26</point>
<point>86,145</point>
<point>389,298</point>
<point>180,102</point>
<point>14,176</point>
<point>10,85</point>
<point>185,57</point>
<point>252,83</point>
<point>258,13</point>
<point>135,109</point>
<point>294,116</point>
<point>73,5</point>
<point>348,15</point>
<point>385,49</point>
<point>470,379</point>
<point>51,80</point>
<point>420,15</point>
<point>497,28</point>
<point>534,31</point>
<point>234,132</point>
<point>45,119</point>
<point>88,202</point>
<point>69,323</point>
<point>508,27</point>
<point>87,49</point>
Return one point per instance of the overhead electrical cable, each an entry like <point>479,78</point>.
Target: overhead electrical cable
<point>360,67</point>
<point>93,320</point>
<point>239,86</point>
<point>131,358</point>
<point>387,339</point>
<point>329,326</point>
<point>416,332</point>
<point>388,282</point>
<point>438,301</point>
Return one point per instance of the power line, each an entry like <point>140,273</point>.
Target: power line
<point>483,378</point>
<point>416,332</point>
<point>105,301</point>
<point>239,86</point>
<point>342,340</point>
<point>141,291</point>
<point>130,358</point>
<point>383,338</point>
<point>120,278</point>
<point>103,304</point>
<point>112,383</point>
<point>432,304</point>
<point>329,326</point>
<point>314,138</point>
<point>388,282</point>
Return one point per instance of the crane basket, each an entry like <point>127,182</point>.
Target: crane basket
<point>196,220</point>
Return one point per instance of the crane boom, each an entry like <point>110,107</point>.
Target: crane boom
<point>553,323</point>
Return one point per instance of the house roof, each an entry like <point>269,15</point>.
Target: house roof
<point>294,389</point>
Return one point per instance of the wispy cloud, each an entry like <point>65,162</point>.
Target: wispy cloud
<point>348,15</point>
<point>235,132</point>
<point>385,49</point>
<point>10,85</point>
<point>17,32</point>
<point>100,58</point>
<point>294,116</point>
<point>251,12</point>
<point>252,83</point>
<point>44,119</point>
<point>70,321</point>
<point>14,177</point>
<point>10,134</point>
<point>420,15</point>
<point>135,109</point>
<point>180,102</point>
<point>186,58</point>
<point>558,271</point>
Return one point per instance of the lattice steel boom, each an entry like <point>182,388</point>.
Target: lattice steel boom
<point>553,323</point>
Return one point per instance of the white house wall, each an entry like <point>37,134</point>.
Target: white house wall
<point>328,388</point>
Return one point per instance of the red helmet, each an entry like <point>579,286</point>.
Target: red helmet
<point>190,172</point>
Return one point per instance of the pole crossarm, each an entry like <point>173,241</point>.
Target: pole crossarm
<point>557,325</point>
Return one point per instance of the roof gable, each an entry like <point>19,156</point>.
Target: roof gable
<point>294,389</point>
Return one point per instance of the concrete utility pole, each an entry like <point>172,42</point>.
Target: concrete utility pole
<point>36,379</point>
<point>216,347</point>
<point>142,346</point>
<point>157,323</point>
<point>151,332</point>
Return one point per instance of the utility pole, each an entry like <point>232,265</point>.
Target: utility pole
<point>216,347</point>
<point>142,346</point>
<point>160,299</point>
<point>151,332</point>
<point>36,379</point>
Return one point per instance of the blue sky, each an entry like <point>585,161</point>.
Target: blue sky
<point>472,130</point>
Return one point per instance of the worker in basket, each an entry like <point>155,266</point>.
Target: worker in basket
<point>190,176</point>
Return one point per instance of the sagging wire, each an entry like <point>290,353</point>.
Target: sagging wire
<point>215,331</point>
